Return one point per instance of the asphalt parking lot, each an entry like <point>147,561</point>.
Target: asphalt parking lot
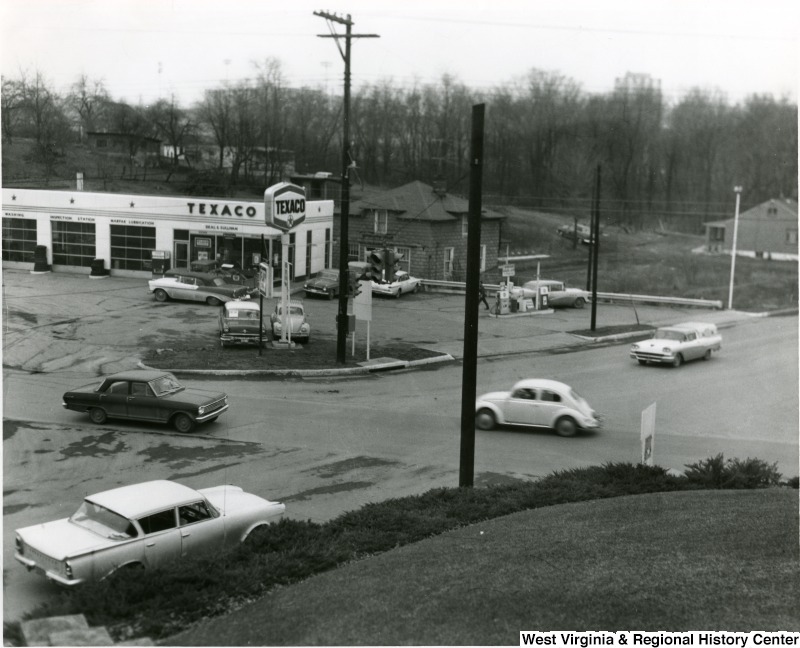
<point>56,321</point>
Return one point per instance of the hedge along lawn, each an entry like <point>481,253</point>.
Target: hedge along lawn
<point>698,560</point>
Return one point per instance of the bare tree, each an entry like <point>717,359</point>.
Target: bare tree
<point>173,124</point>
<point>11,109</point>
<point>88,98</point>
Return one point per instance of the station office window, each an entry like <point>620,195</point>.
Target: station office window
<point>132,247</point>
<point>19,239</point>
<point>73,243</point>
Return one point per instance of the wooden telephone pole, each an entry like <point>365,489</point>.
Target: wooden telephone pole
<point>347,164</point>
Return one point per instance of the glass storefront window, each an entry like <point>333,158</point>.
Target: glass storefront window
<point>73,243</point>
<point>132,247</point>
<point>19,239</point>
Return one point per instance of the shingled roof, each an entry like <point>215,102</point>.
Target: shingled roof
<point>417,200</point>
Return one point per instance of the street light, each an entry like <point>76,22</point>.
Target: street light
<point>738,191</point>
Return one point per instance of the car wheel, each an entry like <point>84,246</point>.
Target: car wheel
<point>642,362</point>
<point>707,355</point>
<point>98,415</point>
<point>397,294</point>
<point>579,302</point>
<point>416,288</point>
<point>183,423</point>
<point>485,419</point>
<point>213,301</point>
<point>161,295</point>
<point>566,427</point>
<point>678,361</point>
<point>331,295</point>
<point>222,343</point>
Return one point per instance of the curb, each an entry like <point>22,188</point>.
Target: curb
<point>344,371</point>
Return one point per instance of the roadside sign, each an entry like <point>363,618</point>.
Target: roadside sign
<point>362,303</point>
<point>265,280</point>
<point>507,269</point>
<point>648,433</point>
<point>284,206</point>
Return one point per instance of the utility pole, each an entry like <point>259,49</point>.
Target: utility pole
<point>469,372</point>
<point>594,235</point>
<point>347,163</point>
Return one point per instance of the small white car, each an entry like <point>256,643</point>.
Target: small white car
<point>299,328</point>
<point>401,283</point>
<point>144,525</point>
<point>537,402</point>
<point>678,343</point>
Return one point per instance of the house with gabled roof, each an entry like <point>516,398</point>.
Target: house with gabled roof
<point>767,231</point>
<point>426,226</point>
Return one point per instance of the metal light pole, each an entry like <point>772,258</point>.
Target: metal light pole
<point>738,191</point>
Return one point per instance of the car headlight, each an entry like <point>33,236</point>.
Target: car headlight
<point>304,327</point>
<point>667,350</point>
<point>225,328</point>
<point>634,347</point>
<point>201,409</point>
<point>68,569</point>
<point>18,544</point>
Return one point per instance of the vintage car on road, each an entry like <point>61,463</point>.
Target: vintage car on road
<point>299,329</point>
<point>146,395</point>
<point>146,525</point>
<point>679,343</point>
<point>325,284</point>
<point>536,402</point>
<point>401,283</point>
<point>239,322</point>
<point>570,231</point>
<point>558,295</point>
<point>196,286</point>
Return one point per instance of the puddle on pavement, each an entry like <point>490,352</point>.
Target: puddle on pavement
<point>347,465</point>
<point>326,490</point>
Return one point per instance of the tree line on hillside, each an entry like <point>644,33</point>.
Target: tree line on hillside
<point>662,163</point>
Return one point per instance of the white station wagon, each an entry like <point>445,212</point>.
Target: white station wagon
<point>145,525</point>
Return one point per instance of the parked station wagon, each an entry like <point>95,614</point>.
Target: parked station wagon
<point>239,323</point>
<point>678,343</point>
<point>145,525</point>
<point>146,395</point>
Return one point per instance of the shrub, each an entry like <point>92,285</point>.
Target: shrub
<point>734,473</point>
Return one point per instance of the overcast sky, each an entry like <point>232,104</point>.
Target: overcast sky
<point>145,49</point>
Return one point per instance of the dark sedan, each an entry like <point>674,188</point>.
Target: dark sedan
<point>325,284</point>
<point>147,395</point>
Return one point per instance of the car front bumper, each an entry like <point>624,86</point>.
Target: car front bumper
<point>202,418</point>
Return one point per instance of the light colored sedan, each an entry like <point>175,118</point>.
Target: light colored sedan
<point>144,525</point>
<point>537,402</point>
<point>401,283</point>
<point>558,295</point>
<point>196,286</point>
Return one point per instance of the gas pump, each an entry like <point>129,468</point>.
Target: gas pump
<point>161,259</point>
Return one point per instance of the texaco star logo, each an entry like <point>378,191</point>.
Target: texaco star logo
<point>290,221</point>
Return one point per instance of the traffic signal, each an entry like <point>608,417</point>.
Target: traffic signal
<point>388,261</point>
<point>356,290</point>
<point>376,264</point>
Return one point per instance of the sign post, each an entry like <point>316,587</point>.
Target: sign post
<point>285,209</point>
<point>362,307</point>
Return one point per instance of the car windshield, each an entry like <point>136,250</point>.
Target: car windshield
<point>666,334</point>
<point>329,274</point>
<point>166,384</point>
<point>103,522</point>
<point>293,310</point>
<point>218,281</point>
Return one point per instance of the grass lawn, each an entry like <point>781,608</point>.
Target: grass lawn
<point>696,560</point>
